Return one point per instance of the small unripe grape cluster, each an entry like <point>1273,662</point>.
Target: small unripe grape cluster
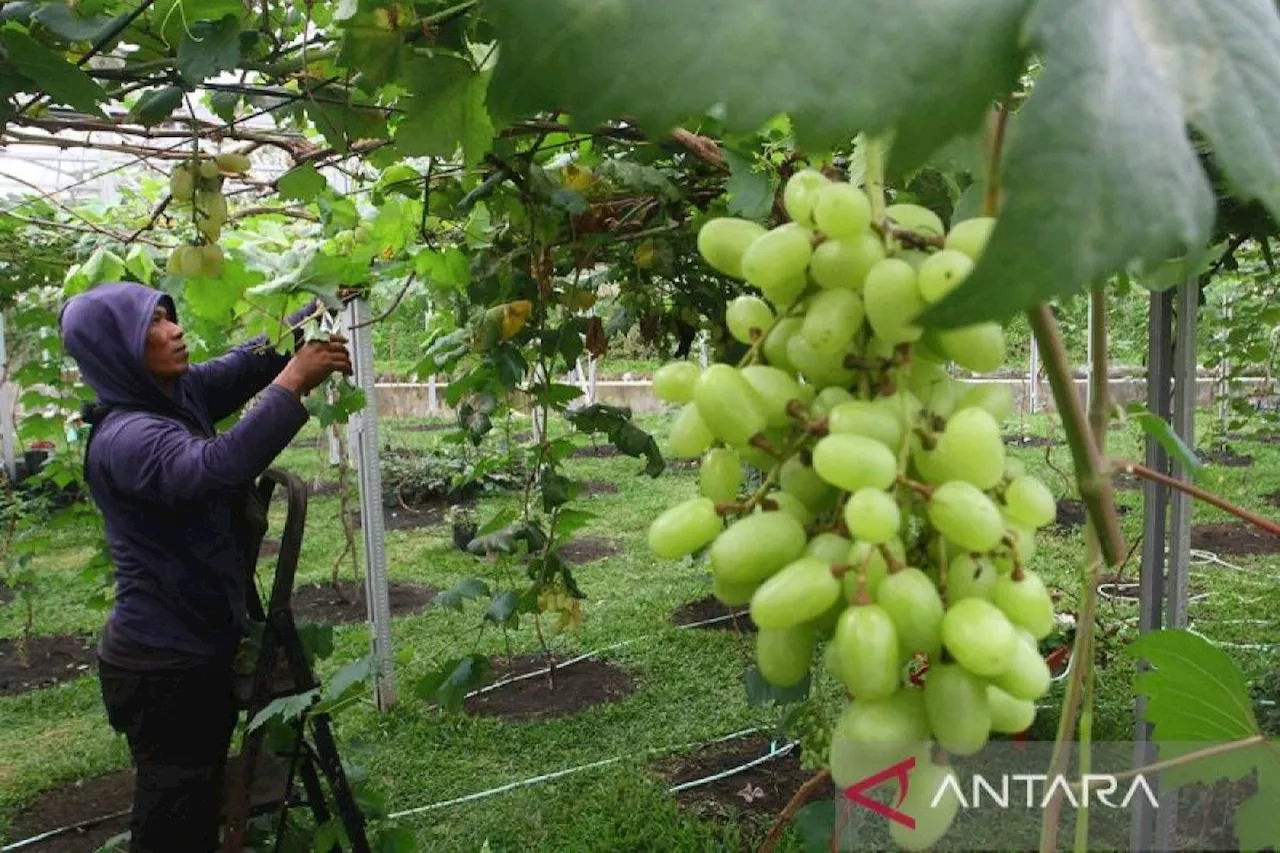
<point>198,183</point>
<point>891,531</point>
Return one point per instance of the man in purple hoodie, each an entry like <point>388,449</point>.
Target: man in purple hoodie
<point>175,495</point>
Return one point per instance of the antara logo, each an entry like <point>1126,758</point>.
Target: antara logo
<point>901,771</point>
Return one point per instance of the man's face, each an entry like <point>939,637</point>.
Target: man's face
<point>166,350</point>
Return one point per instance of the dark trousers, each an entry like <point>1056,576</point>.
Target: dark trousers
<point>179,725</point>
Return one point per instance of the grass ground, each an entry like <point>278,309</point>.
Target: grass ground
<point>690,682</point>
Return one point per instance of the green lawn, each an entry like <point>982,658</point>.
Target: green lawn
<point>690,682</point>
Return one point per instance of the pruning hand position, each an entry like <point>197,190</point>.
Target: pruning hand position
<point>314,362</point>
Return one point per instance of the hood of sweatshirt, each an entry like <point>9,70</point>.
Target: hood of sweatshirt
<point>105,331</point>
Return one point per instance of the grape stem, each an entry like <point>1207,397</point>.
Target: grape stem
<point>1092,476</point>
<point>895,565</point>
<point>802,796</point>
<point>917,487</point>
<point>1195,491</point>
<point>873,154</point>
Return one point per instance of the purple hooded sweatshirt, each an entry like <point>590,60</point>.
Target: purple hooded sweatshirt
<point>168,486</point>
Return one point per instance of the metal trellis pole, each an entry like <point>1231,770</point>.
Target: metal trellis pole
<point>1156,500</point>
<point>1033,378</point>
<point>363,441</point>
<point>7,395</point>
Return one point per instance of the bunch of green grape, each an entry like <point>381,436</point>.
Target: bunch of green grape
<point>198,183</point>
<point>890,531</point>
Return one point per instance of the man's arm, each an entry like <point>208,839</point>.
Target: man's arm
<point>230,381</point>
<point>159,459</point>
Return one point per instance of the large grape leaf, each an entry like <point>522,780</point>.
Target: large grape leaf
<point>209,47</point>
<point>1098,170</point>
<point>1196,697</point>
<point>1256,825</point>
<point>447,109</point>
<point>63,82</point>
<point>1224,56</point>
<point>835,66</point>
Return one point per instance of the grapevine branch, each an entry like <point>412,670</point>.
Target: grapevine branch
<point>1091,474</point>
<point>1240,512</point>
<point>802,796</point>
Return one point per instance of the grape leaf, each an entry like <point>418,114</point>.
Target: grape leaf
<point>447,109</point>
<point>570,521</point>
<point>504,609</point>
<point>156,105</point>
<point>301,183</point>
<point>1223,56</point>
<point>287,708</point>
<point>66,22</point>
<point>172,19</point>
<point>1196,695</point>
<point>377,53</point>
<point>835,67</point>
<point>351,674</point>
<point>761,692</point>
<point>63,82</point>
<point>209,47</point>
<point>1159,429</point>
<point>750,192</point>
<point>465,590</point>
<point>1098,171</point>
<point>1255,820</point>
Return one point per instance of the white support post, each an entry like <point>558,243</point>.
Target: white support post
<point>363,432</point>
<point>591,382</point>
<point>8,438</point>
<point>432,403</point>
<point>1033,377</point>
<point>1088,366</point>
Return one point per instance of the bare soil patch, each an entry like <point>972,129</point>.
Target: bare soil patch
<point>579,686</point>
<point>602,451</point>
<point>1233,537</point>
<point>50,661</point>
<point>1073,514</point>
<point>1227,458</point>
<point>699,615</point>
<point>323,603</point>
<point>763,789</point>
<point>1030,441</point>
<point>599,487</point>
<point>588,549</point>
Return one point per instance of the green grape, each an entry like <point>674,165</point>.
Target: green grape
<point>1013,468</point>
<point>748,317</point>
<point>723,241</point>
<point>905,408</point>
<point>841,211</point>
<point>757,546</point>
<point>1027,676</point>
<point>979,636</point>
<point>831,660</point>
<point>784,654</point>
<point>925,377</point>
<point>1023,548</point>
<point>731,594</point>
<point>979,348</point>
<point>800,194</point>
<point>971,236</point>
<point>872,735</point>
<point>720,474</point>
<point>689,436</point>
<point>1009,716</point>
<point>818,368</point>
<point>776,263</point>
<point>728,405</point>
<point>802,591</point>
<point>832,320</point>
<point>913,603</point>
<point>674,381</point>
<point>828,399</point>
<point>831,547</point>
<point>997,400</point>
<point>872,515</point>
<point>872,420</point>
<point>776,390</point>
<point>962,513</point>
<point>793,506</point>
<point>926,465</point>
<point>869,655</point>
<point>971,449</point>
<point>970,577</point>
<point>876,568</point>
<point>181,183</point>
<point>1029,502</point>
<point>684,528</point>
<point>892,300</point>
<point>881,349</point>
<point>798,479</point>
<point>844,264</point>
<point>826,623</point>
<point>775,343</point>
<point>956,702</point>
<point>915,218</point>
<point>941,273</point>
<point>1026,602</point>
<point>932,803</point>
<point>853,462</point>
